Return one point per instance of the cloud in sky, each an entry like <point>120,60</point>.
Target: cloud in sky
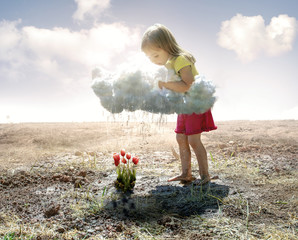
<point>90,8</point>
<point>46,66</point>
<point>54,51</point>
<point>249,36</point>
<point>46,71</point>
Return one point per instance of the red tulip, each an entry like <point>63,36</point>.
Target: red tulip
<point>116,157</point>
<point>122,152</point>
<point>117,162</point>
<point>135,160</point>
<point>124,160</point>
<point>128,156</point>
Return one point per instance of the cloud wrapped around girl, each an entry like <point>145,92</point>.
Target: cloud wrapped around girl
<point>138,90</point>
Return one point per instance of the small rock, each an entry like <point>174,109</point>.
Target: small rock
<point>78,153</point>
<point>52,211</point>
<point>61,230</point>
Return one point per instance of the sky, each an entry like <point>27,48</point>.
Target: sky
<point>48,50</point>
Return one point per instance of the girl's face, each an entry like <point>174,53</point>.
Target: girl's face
<point>157,55</point>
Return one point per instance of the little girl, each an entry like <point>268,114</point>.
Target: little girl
<point>161,48</point>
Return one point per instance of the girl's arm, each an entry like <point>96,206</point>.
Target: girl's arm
<point>182,86</point>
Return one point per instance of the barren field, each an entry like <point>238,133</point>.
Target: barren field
<point>57,182</point>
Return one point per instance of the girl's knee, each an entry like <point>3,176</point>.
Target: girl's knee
<point>181,139</point>
<point>195,140</point>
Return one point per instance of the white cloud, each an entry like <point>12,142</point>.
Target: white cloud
<point>249,36</point>
<point>59,52</point>
<point>90,8</point>
<point>281,33</point>
<point>10,37</point>
<point>46,73</point>
<point>97,45</point>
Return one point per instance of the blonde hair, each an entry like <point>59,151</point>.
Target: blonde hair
<point>161,37</point>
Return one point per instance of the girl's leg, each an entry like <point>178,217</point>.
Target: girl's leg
<point>185,156</point>
<point>201,154</point>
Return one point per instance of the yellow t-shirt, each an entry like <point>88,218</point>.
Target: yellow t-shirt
<point>177,63</point>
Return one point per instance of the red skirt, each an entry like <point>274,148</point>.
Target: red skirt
<point>190,124</point>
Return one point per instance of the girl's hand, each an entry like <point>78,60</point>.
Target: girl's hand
<point>161,84</point>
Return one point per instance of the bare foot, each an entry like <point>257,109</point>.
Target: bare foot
<point>202,181</point>
<point>182,178</point>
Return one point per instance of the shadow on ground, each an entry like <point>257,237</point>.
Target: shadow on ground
<point>179,201</point>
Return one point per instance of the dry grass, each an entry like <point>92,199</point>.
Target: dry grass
<point>257,160</point>
<point>25,143</point>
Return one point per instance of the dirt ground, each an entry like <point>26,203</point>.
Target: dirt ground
<point>57,182</point>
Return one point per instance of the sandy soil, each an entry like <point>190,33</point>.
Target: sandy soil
<point>56,180</point>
